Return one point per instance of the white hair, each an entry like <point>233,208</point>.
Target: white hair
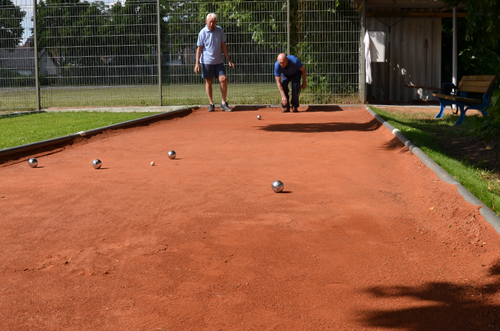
<point>212,15</point>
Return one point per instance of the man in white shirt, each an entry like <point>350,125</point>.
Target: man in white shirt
<point>211,41</point>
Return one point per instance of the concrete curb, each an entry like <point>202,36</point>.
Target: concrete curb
<point>128,109</point>
<point>488,215</point>
<point>22,113</point>
<point>4,153</point>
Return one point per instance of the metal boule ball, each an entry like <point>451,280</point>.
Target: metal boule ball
<point>96,164</point>
<point>171,155</point>
<point>278,186</point>
<point>33,162</point>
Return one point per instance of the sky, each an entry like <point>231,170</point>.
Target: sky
<point>27,7</point>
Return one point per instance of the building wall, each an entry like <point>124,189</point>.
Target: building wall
<point>412,56</point>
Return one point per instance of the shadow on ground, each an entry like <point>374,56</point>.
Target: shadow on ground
<point>327,108</point>
<point>441,306</point>
<point>323,127</point>
<point>394,144</point>
<point>310,108</point>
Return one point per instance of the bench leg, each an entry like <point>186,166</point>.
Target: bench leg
<point>462,114</point>
<point>441,111</point>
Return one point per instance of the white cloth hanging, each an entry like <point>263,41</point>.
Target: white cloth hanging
<point>368,59</point>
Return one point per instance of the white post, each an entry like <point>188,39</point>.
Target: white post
<point>454,51</point>
<point>362,58</point>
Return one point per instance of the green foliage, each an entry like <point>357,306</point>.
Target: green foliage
<point>128,30</point>
<point>98,44</point>
<point>479,45</point>
<point>488,127</point>
<point>483,21</point>
<point>11,29</point>
<point>478,39</point>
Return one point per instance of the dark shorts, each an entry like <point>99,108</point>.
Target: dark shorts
<point>212,70</point>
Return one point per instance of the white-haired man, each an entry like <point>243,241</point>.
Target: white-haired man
<point>211,44</point>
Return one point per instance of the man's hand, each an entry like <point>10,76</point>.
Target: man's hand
<point>196,68</point>
<point>231,64</point>
<point>304,77</point>
<point>284,101</point>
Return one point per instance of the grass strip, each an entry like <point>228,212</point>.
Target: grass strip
<point>26,129</point>
<point>23,99</point>
<point>431,136</point>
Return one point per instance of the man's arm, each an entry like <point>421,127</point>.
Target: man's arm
<point>304,77</point>
<point>284,101</point>
<point>199,50</point>
<point>226,54</point>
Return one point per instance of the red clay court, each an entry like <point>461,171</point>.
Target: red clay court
<point>364,236</point>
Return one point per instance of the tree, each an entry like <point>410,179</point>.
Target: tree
<point>483,20</point>
<point>11,29</point>
<point>93,42</point>
<point>68,30</point>
<point>478,40</point>
<point>479,54</point>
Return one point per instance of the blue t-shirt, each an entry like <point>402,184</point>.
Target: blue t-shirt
<point>212,45</point>
<point>291,69</point>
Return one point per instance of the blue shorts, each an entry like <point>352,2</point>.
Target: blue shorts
<point>212,70</point>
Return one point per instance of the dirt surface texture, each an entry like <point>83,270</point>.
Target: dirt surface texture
<point>363,236</point>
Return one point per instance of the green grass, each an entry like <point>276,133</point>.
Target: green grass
<point>26,129</point>
<point>16,99</point>
<point>25,99</point>
<point>431,135</point>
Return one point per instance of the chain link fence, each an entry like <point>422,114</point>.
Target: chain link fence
<point>142,53</point>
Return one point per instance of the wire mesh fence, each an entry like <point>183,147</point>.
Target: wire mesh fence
<point>143,52</point>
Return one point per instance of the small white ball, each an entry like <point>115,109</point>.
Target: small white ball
<point>153,163</point>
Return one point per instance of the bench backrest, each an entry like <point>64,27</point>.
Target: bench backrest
<point>476,84</point>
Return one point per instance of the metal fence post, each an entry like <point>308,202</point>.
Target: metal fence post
<point>158,35</point>
<point>108,54</point>
<point>288,26</point>
<point>35,54</point>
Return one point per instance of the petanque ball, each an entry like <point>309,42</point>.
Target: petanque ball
<point>259,117</point>
<point>278,186</point>
<point>33,162</point>
<point>171,155</point>
<point>96,164</point>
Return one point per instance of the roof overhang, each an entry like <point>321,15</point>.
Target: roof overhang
<point>410,8</point>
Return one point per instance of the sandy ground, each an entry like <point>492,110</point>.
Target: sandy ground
<point>363,237</point>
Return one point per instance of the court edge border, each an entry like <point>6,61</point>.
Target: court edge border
<point>488,214</point>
